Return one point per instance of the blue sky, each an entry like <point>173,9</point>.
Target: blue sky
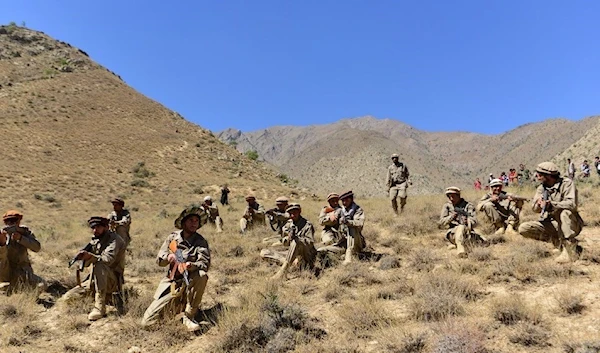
<point>481,66</point>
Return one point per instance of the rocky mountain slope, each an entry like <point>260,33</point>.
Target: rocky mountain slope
<point>354,153</point>
<point>73,133</point>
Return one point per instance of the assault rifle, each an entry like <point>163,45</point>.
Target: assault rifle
<point>10,230</point>
<point>463,216</point>
<point>175,250</point>
<point>544,215</point>
<point>81,265</point>
<point>512,197</point>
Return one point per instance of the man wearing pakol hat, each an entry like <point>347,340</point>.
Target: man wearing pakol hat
<point>120,220</point>
<point>460,218</point>
<point>501,208</point>
<point>106,254</point>
<point>253,215</point>
<point>351,221</point>
<point>397,181</point>
<point>329,219</point>
<point>187,254</point>
<point>212,213</point>
<point>300,235</point>
<point>560,223</point>
<point>15,241</point>
<point>278,216</point>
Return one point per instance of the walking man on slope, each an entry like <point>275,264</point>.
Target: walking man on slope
<point>397,181</point>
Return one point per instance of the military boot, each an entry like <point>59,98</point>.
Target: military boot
<point>347,257</point>
<point>281,274</point>
<point>461,252</point>
<point>569,252</point>
<point>188,318</point>
<point>395,206</point>
<point>99,310</point>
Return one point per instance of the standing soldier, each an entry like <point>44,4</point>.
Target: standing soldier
<point>460,218</point>
<point>253,215</point>
<point>212,213</point>
<point>351,220</point>
<point>559,223</point>
<point>328,218</point>
<point>106,254</point>
<point>570,169</point>
<point>397,181</point>
<point>188,256</point>
<point>300,235</point>
<point>224,195</point>
<point>501,208</point>
<point>15,241</point>
<point>120,220</point>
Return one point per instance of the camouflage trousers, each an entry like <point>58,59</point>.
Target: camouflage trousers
<point>102,279</point>
<point>12,276</point>
<point>170,298</point>
<point>297,250</point>
<point>464,238</point>
<point>399,190</point>
<point>355,241</point>
<point>564,225</point>
<point>502,215</point>
<point>124,233</point>
<point>248,225</point>
<point>217,222</point>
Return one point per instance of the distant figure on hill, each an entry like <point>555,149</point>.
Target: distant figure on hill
<point>106,254</point>
<point>212,213</point>
<point>597,164</point>
<point>524,173</point>
<point>351,220</point>
<point>299,235</point>
<point>187,254</point>
<point>477,184</point>
<point>224,195</point>
<point>460,218</point>
<point>490,178</point>
<point>120,220</point>
<point>504,178</point>
<point>253,215</point>
<point>556,201</point>
<point>570,169</point>
<point>501,209</point>
<point>397,181</point>
<point>512,176</point>
<point>15,242</point>
<point>585,169</point>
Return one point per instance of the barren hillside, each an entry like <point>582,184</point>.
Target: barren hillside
<point>355,152</point>
<point>74,132</point>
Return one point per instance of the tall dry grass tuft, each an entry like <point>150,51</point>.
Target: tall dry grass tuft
<point>459,337</point>
<point>511,310</point>
<point>569,302</point>
<point>364,316</point>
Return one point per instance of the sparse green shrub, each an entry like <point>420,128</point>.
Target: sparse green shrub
<point>140,171</point>
<point>252,154</point>
<point>140,183</point>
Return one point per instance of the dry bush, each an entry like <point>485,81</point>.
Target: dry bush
<point>442,295</point>
<point>459,338</point>
<point>355,274</point>
<point>569,302</point>
<point>422,260</point>
<point>530,334</point>
<point>389,262</point>
<point>364,317</point>
<point>510,310</point>
<point>481,254</point>
<point>407,343</point>
<point>584,347</point>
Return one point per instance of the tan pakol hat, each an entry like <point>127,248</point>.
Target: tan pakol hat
<point>547,168</point>
<point>452,190</point>
<point>496,182</point>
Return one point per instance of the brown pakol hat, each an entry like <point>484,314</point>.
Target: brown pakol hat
<point>97,221</point>
<point>333,195</point>
<point>293,206</point>
<point>12,214</point>
<point>347,194</point>
<point>547,168</point>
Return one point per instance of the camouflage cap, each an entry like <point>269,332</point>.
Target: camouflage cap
<point>452,190</point>
<point>496,182</point>
<point>333,195</point>
<point>207,198</point>
<point>395,155</point>
<point>97,221</point>
<point>12,214</point>
<point>189,212</point>
<point>547,168</point>
<point>118,200</point>
<point>281,199</point>
<point>347,194</point>
<point>293,206</point>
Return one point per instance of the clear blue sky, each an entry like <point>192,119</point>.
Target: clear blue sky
<point>482,66</point>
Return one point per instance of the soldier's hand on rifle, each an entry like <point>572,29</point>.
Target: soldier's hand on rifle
<point>171,258</point>
<point>84,255</point>
<point>494,198</point>
<point>184,266</point>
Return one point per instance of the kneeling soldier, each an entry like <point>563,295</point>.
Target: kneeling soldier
<point>212,213</point>
<point>253,215</point>
<point>106,254</point>
<point>15,241</point>
<point>559,223</point>
<point>300,233</point>
<point>188,256</point>
<point>329,219</point>
<point>459,216</point>
<point>501,208</point>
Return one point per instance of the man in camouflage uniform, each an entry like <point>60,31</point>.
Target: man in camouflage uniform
<point>397,181</point>
<point>15,241</point>
<point>253,215</point>
<point>300,236</point>
<point>328,218</point>
<point>277,218</point>
<point>120,220</point>
<point>351,220</point>
<point>460,218</point>
<point>212,213</point>
<point>106,254</point>
<point>501,209</point>
<point>559,221</point>
<point>173,291</point>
